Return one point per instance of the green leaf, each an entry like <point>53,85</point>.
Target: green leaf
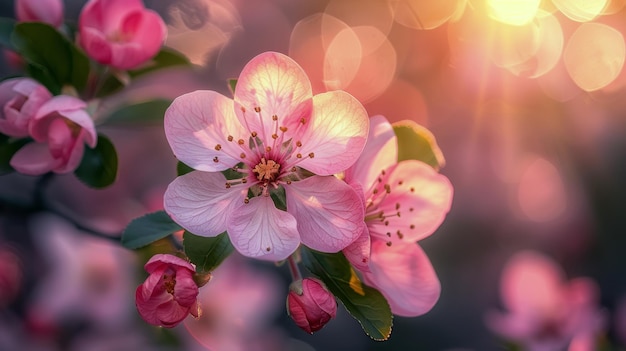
<point>147,229</point>
<point>8,148</point>
<point>50,55</point>
<point>280,198</point>
<point>98,167</point>
<point>182,169</point>
<point>151,111</point>
<point>417,143</point>
<point>6,28</point>
<point>165,58</point>
<point>232,83</point>
<point>366,304</point>
<point>206,253</point>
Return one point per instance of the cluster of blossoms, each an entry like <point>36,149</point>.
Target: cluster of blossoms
<point>281,170</point>
<point>52,130</point>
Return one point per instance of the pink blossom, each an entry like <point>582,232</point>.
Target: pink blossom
<point>546,312</point>
<point>60,129</point>
<point>310,304</point>
<point>120,33</point>
<point>20,99</point>
<point>405,202</point>
<point>169,294</point>
<point>47,11</point>
<point>266,137</point>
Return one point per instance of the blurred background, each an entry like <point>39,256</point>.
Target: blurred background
<point>525,98</point>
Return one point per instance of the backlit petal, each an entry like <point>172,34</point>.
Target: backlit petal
<point>336,133</point>
<point>329,212</point>
<point>201,203</point>
<point>380,152</point>
<point>258,229</point>
<point>404,275</point>
<point>197,126</point>
<point>278,86</point>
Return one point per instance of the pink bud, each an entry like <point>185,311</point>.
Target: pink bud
<point>310,305</point>
<point>47,11</point>
<point>169,293</point>
<point>120,33</point>
<point>61,128</point>
<point>20,99</point>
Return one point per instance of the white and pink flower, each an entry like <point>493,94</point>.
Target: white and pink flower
<point>404,202</point>
<point>270,137</point>
<point>60,128</point>
<point>120,33</point>
<point>545,311</point>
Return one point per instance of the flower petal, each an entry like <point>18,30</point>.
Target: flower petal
<point>329,212</point>
<point>358,253</point>
<point>421,196</point>
<point>34,159</point>
<point>335,134</point>
<point>404,275</point>
<point>197,126</point>
<point>258,229</point>
<point>380,152</point>
<point>278,86</point>
<point>200,202</point>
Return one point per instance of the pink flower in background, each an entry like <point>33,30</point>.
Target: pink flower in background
<point>11,276</point>
<point>169,293</point>
<point>238,306</point>
<point>310,304</point>
<point>47,11</point>
<point>275,128</point>
<point>60,129</point>
<point>120,33</point>
<point>404,203</point>
<point>85,278</point>
<point>20,99</point>
<point>546,312</point>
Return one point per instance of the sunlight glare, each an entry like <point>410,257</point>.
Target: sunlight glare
<point>513,12</point>
<point>581,10</point>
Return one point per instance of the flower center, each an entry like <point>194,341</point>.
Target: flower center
<point>267,170</point>
<point>170,282</point>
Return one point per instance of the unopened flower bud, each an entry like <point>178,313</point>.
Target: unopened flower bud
<point>310,304</point>
<point>169,294</point>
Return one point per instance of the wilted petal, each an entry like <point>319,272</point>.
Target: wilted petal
<point>34,159</point>
<point>404,275</point>
<point>196,123</point>
<point>380,152</point>
<point>329,212</point>
<point>258,229</point>
<point>201,203</point>
<point>336,133</point>
<point>278,86</point>
<point>419,194</point>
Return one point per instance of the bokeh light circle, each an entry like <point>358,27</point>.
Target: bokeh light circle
<point>594,55</point>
